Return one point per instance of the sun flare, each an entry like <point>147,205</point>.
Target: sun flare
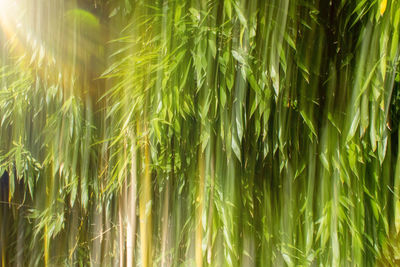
<point>8,15</point>
<point>7,7</point>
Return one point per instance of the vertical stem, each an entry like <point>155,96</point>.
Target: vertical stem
<point>165,225</point>
<point>121,232</point>
<point>199,211</point>
<point>210,211</point>
<point>165,215</point>
<point>46,247</point>
<point>131,228</point>
<point>3,256</point>
<point>145,210</point>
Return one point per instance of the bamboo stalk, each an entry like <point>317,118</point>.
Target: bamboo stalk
<point>121,230</point>
<point>199,210</point>
<point>131,226</point>
<point>145,212</point>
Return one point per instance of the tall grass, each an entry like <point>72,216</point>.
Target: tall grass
<point>200,133</point>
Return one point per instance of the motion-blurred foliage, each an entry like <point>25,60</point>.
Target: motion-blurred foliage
<point>199,133</point>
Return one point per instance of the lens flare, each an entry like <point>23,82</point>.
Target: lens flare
<point>8,12</point>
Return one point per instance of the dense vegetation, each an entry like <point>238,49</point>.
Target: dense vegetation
<point>199,133</point>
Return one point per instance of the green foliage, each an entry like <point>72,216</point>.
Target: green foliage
<point>208,133</point>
